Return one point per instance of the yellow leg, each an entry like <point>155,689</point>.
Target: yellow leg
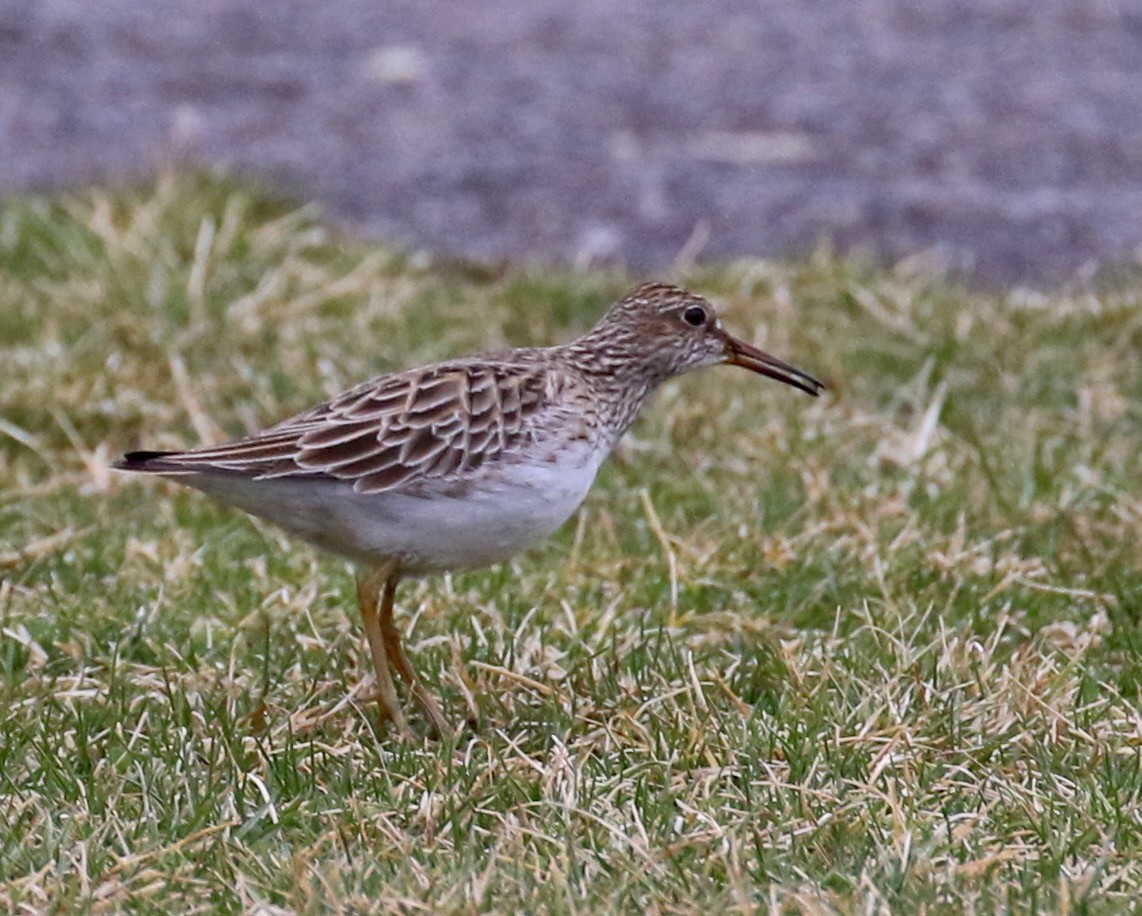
<point>370,582</point>
<point>391,638</point>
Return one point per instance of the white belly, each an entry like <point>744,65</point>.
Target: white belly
<point>497,516</point>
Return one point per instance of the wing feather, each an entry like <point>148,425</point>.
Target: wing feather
<point>426,424</point>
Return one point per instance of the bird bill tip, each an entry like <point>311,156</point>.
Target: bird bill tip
<point>739,353</point>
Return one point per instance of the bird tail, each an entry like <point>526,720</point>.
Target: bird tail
<point>147,462</point>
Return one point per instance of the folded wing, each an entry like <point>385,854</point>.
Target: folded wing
<point>438,422</point>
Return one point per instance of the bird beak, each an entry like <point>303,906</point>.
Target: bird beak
<point>739,353</point>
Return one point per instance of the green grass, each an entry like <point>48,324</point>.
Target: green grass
<point>875,652</point>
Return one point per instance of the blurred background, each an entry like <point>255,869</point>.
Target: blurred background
<point>999,138</point>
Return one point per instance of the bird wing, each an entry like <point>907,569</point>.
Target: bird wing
<point>440,421</point>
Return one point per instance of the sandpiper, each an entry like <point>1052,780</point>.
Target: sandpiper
<point>463,463</point>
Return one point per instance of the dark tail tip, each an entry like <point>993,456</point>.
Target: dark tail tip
<point>139,461</point>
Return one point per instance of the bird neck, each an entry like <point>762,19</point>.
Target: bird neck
<point>619,375</point>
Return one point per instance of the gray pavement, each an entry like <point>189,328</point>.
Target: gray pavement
<point>1002,137</point>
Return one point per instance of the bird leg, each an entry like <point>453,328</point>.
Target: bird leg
<point>391,637</point>
<point>370,582</point>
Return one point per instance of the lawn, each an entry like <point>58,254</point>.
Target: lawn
<point>875,652</point>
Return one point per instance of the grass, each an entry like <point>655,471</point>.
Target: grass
<point>875,652</point>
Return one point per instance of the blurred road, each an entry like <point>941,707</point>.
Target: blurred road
<point>1002,137</point>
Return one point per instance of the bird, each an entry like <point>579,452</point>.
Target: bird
<point>463,463</point>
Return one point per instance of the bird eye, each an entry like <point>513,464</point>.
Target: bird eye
<point>695,316</point>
